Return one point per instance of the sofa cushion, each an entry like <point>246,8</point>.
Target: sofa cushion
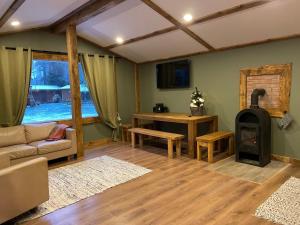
<point>45,147</point>
<point>12,136</point>
<point>39,131</point>
<point>19,151</point>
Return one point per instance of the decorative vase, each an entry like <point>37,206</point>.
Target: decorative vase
<point>197,111</point>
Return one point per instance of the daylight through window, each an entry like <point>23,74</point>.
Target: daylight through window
<point>49,93</point>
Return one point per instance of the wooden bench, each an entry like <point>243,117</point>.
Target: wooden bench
<point>171,138</point>
<point>209,140</point>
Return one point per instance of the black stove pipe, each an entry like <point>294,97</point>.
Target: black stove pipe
<point>255,96</point>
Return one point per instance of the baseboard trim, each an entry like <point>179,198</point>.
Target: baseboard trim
<point>286,159</point>
<point>97,143</point>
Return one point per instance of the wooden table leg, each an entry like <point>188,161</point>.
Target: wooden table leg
<point>123,134</point>
<point>141,140</point>
<point>230,146</point>
<point>192,132</point>
<point>133,139</point>
<point>213,126</point>
<point>210,151</point>
<point>178,148</point>
<point>170,149</point>
<point>135,122</point>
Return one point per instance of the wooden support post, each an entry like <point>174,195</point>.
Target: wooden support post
<point>137,89</point>
<point>75,86</point>
<point>170,149</point>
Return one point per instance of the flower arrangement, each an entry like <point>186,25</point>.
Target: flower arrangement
<point>197,99</point>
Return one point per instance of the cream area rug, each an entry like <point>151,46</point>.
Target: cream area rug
<point>283,206</point>
<point>248,172</point>
<point>72,183</point>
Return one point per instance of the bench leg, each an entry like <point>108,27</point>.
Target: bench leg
<point>141,140</point>
<point>230,145</point>
<point>133,139</point>
<point>178,148</point>
<point>210,151</point>
<point>199,156</point>
<point>170,149</point>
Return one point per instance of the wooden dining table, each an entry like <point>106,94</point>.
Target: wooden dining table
<point>182,118</point>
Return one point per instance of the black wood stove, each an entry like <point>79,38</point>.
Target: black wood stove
<point>253,133</point>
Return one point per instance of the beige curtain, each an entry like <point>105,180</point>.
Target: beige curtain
<point>15,69</point>
<point>101,79</point>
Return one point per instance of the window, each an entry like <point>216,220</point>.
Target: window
<point>49,93</point>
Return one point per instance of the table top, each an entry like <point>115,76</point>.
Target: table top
<point>174,117</point>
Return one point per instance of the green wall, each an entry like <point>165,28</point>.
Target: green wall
<point>42,40</point>
<point>217,76</point>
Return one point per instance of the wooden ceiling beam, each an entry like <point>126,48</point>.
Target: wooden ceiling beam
<point>233,10</point>
<point>225,48</point>
<point>153,34</point>
<point>223,13</point>
<point>105,49</point>
<point>10,11</point>
<point>177,24</point>
<point>84,13</point>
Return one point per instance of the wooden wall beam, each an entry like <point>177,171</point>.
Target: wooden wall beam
<point>75,86</point>
<point>84,13</point>
<point>177,23</point>
<point>10,11</point>
<point>137,87</point>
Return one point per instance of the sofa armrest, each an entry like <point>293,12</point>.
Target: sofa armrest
<point>23,187</point>
<point>71,135</point>
<point>4,160</point>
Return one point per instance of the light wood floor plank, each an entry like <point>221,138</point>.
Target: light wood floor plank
<point>177,191</point>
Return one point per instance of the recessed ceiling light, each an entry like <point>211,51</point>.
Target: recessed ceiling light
<point>119,40</point>
<point>15,23</point>
<point>188,17</point>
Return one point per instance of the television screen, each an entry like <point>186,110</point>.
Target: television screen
<point>173,74</point>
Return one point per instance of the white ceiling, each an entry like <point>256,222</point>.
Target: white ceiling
<point>127,20</point>
<point>198,8</point>
<point>39,13</point>
<point>275,20</point>
<point>161,46</point>
<point>132,18</point>
<point>4,5</point>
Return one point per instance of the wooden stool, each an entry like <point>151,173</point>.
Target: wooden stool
<point>209,140</point>
<point>125,134</point>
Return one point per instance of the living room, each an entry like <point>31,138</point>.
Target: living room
<point>91,110</point>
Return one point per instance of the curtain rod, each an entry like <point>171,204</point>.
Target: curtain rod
<point>54,52</point>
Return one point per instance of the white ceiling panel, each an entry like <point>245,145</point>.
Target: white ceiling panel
<point>128,20</point>
<point>273,20</point>
<point>37,13</point>
<point>172,44</point>
<point>198,8</point>
<point>4,5</point>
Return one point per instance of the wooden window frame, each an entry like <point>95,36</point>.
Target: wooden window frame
<point>285,72</point>
<point>63,57</point>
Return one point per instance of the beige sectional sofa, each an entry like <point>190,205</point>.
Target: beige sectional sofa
<point>22,187</point>
<point>27,142</point>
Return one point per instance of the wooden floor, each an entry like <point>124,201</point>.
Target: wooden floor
<point>177,192</point>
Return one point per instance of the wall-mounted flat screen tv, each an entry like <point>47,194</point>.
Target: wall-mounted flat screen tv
<point>173,74</point>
